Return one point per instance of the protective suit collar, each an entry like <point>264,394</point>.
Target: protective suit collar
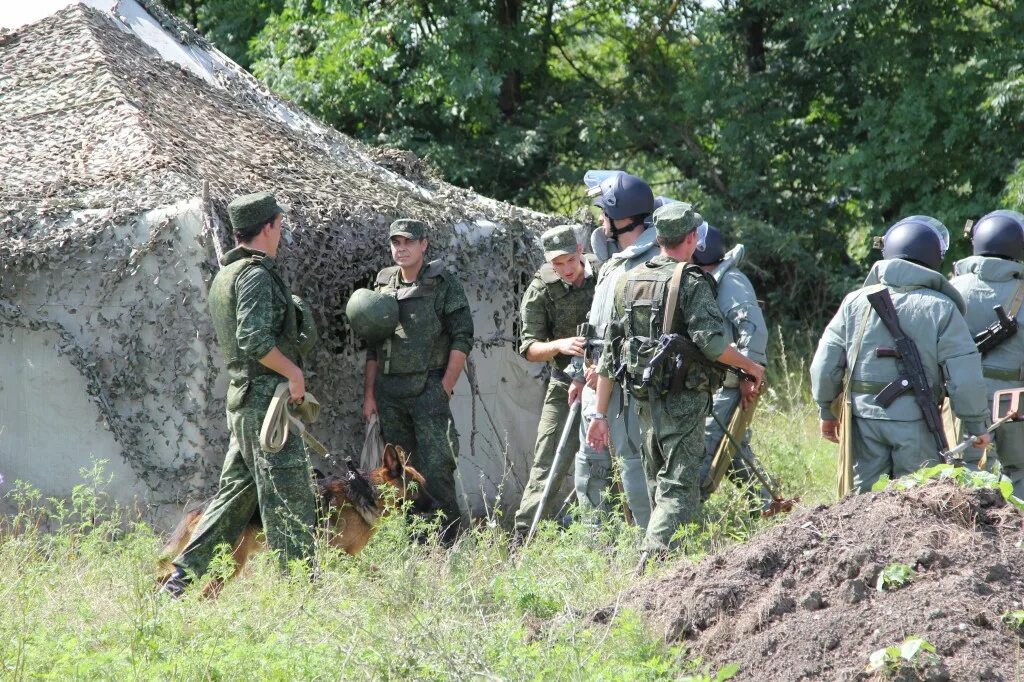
<point>989,268</point>
<point>898,273</point>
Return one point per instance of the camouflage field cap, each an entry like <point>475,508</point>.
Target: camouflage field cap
<point>408,228</point>
<point>250,210</point>
<point>559,241</point>
<point>677,219</point>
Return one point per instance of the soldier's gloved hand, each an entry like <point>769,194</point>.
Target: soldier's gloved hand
<point>597,434</point>
<point>572,345</point>
<point>830,430</point>
<point>983,441</point>
<point>297,387</point>
<point>575,389</point>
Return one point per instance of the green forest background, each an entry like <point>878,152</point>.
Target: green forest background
<point>800,128</point>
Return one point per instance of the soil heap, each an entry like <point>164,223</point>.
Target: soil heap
<point>800,601</point>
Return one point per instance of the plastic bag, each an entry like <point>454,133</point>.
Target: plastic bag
<point>373,446</point>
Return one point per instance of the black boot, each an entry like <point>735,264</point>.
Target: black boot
<point>177,584</point>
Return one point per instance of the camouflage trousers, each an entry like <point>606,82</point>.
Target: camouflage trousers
<point>549,431</point>
<point>279,486</point>
<point>726,401</point>
<point>673,453</point>
<point>423,426</point>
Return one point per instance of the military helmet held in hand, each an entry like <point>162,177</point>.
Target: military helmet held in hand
<point>373,315</point>
<point>999,234</point>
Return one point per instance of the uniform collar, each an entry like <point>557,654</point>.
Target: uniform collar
<point>240,252</point>
<point>989,268</point>
<point>897,273</point>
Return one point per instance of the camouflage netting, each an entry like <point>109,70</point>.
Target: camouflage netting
<point>110,153</point>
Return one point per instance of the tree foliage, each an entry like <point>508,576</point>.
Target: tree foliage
<point>801,128</point>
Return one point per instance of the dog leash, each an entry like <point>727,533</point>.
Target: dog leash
<point>281,418</point>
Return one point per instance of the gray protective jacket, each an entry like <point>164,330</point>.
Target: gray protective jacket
<point>930,311</point>
<point>984,283</point>
<point>745,321</point>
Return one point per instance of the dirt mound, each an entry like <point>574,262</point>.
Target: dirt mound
<point>799,602</point>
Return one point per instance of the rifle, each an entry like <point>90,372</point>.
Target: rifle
<point>678,346</point>
<point>1003,328</point>
<point>912,375</point>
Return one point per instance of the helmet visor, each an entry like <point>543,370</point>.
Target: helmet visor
<point>702,236</point>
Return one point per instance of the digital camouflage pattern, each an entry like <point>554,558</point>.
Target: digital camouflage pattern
<point>985,282</point>
<point>414,410</point>
<point>594,467</point>
<point>930,311</point>
<point>552,309</point>
<point>745,326</point>
<point>253,311</point>
<point>673,424</point>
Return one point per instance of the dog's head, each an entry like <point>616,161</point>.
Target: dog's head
<point>407,483</point>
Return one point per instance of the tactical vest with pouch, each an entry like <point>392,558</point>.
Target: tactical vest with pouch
<point>420,343</point>
<point>651,294</point>
<point>565,318</point>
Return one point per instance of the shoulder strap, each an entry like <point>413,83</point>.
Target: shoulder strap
<point>385,275</point>
<point>1013,305</point>
<point>435,268</point>
<point>858,339</point>
<point>672,300</point>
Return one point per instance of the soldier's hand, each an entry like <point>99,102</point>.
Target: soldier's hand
<point>575,389</point>
<point>597,434</point>
<point>756,371</point>
<point>590,375</point>
<point>369,407</point>
<point>830,430</point>
<point>983,441</point>
<point>748,391</point>
<point>572,345</point>
<point>297,387</point>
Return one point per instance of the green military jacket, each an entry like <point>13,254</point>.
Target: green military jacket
<point>253,311</point>
<point>985,282</point>
<point>931,313</point>
<point>552,309</point>
<point>434,319</point>
<point>697,315</point>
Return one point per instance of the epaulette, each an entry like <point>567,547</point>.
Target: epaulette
<point>385,275</point>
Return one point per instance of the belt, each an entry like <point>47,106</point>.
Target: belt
<point>874,387</point>
<point>1003,374</point>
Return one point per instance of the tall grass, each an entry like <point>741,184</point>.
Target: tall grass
<point>77,598</point>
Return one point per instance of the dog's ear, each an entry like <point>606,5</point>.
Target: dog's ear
<point>391,460</point>
<point>403,456</point>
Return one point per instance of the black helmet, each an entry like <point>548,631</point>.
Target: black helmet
<point>623,196</point>
<point>1000,234</point>
<point>713,251</point>
<point>919,238</point>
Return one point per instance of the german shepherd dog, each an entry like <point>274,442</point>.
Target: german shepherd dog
<point>350,508</point>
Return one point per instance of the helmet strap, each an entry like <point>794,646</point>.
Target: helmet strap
<point>635,222</point>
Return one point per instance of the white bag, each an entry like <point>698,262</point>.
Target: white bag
<point>373,446</point>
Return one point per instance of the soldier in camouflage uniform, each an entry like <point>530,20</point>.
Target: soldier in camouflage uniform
<point>993,276</point>
<point>894,440</point>
<point>410,376</point>
<point>744,326</point>
<point>553,307</point>
<point>259,327</point>
<point>672,412</point>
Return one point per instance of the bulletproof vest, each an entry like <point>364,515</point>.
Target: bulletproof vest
<point>223,304</point>
<point>420,342</point>
<point>644,296</point>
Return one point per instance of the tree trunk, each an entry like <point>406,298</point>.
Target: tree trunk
<point>508,14</point>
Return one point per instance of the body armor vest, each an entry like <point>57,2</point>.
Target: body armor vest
<point>420,342</point>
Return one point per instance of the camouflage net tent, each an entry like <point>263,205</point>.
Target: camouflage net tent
<point>124,135</point>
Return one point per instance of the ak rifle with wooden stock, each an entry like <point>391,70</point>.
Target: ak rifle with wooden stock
<point>912,373</point>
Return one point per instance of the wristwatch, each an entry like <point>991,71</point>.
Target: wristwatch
<point>596,415</point>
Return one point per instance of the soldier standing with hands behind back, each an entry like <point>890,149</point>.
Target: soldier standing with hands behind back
<point>553,307</point>
<point>410,375</point>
